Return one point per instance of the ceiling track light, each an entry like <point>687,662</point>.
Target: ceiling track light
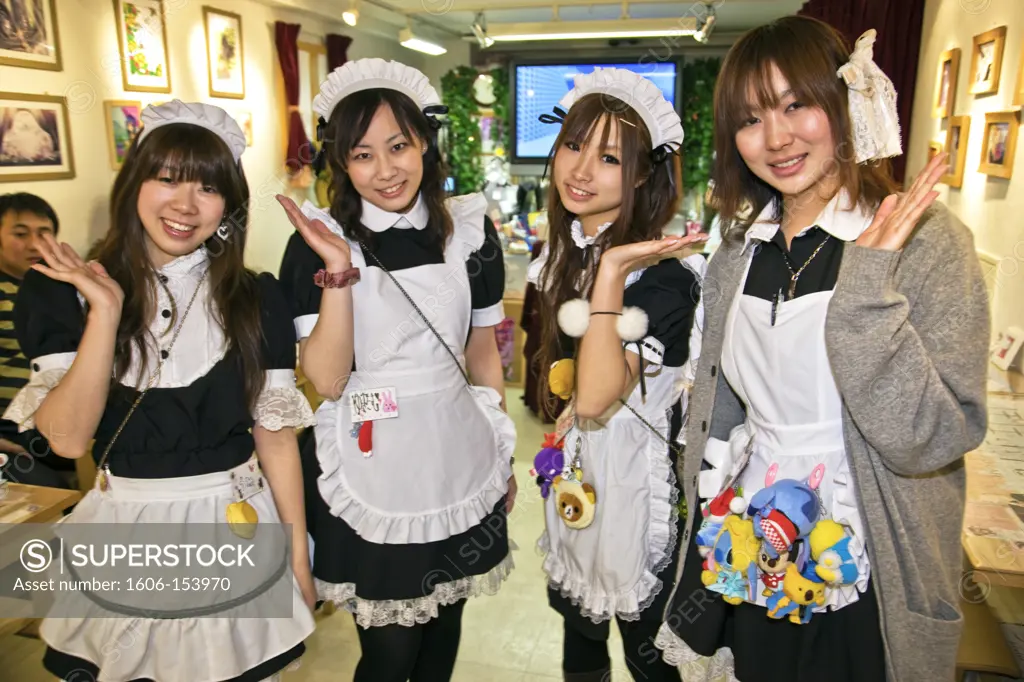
<point>479,29</point>
<point>351,15</point>
<point>706,26</point>
<point>410,40</point>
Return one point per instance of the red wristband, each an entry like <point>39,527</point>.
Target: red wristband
<point>336,280</point>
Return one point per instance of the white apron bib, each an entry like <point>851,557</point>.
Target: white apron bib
<point>794,424</point>
<point>443,464</point>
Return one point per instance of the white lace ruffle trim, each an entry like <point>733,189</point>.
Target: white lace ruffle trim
<point>23,407</point>
<point>409,612</point>
<point>279,407</point>
<point>601,605</point>
<point>692,666</point>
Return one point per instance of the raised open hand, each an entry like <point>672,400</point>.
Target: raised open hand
<point>332,248</point>
<point>100,290</point>
<point>899,213</point>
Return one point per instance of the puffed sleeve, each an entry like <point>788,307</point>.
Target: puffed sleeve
<point>487,279</point>
<point>668,293</point>
<point>281,404</point>
<point>48,323</point>
<point>298,266</point>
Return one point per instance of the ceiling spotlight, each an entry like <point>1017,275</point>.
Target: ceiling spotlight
<point>351,15</point>
<point>408,39</point>
<point>479,28</point>
<point>704,32</point>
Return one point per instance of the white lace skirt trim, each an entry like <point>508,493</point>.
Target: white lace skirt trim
<point>692,666</point>
<point>23,407</point>
<point>279,407</point>
<point>409,612</point>
<point>662,535</point>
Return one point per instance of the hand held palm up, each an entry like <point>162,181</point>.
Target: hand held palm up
<point>332,248</point>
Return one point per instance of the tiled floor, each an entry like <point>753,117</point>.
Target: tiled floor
<point>513,636</point>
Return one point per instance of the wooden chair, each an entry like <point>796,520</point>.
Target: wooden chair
<point>983,647</point>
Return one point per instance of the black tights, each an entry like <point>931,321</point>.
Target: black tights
<point>582,655</point>
<point>420,653</point>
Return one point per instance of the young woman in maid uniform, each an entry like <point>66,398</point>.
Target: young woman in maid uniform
<point>180,362</point>
<point>840,382</point>
<point>397,292</point>
<point>605,278</point>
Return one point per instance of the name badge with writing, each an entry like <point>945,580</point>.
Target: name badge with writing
<point>247,480</point>
<point>373,404</point>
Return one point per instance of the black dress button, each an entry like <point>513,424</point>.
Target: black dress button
<point>703,426</point>
<point>714,370</point>
<point>165,313</point>
<point>163,278</point>
<point>35,366</point>
<point>164,354</point>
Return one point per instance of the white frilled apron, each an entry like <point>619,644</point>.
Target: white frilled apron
<point>794,416</point>
<point>443,464</point>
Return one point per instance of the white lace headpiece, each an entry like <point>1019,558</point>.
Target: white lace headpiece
<point>638,93</point>
<point>208,116</point>
<point>873,115</point>
<point>372,72</point>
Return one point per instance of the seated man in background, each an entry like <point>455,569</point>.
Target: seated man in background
<point>24,218</point>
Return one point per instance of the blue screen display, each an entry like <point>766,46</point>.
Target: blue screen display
<point>540,87</point>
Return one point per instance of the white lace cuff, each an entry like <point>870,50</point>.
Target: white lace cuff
<point>281,404</point>
<point>47,371</point>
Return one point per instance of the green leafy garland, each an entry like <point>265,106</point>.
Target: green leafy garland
<point>699,76</point>
<point>464,145</point>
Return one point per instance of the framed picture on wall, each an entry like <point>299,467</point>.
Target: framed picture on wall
<point>142,41</point>
<point>123,122</point>
<point>987,61</point>
<point>945,85</point>
<point>956,146</point>
<point>1018,90</point>
<point>1007,346</point>
<point>225,62</point>
<point>28,34</point>
<point>35,138</point>
<point>244,119</point>
<point>999,144</point>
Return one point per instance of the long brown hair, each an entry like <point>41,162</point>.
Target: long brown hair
<point>348,125</point>
<point>189,154</point>
<point>807,53</point>
<point>643,214</point>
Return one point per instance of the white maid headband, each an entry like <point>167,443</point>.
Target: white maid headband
<point>872,105</point>
<point>214,119</point>
<point>365,74</point>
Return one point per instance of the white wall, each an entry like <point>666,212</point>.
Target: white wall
<point>91,74</point>
<point>992,207</point>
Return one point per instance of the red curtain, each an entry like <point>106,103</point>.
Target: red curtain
<point>896,47</point>
<point>298,153</point>
<point>337,50</point>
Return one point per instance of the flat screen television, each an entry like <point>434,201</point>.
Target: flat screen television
<point>537,87</point>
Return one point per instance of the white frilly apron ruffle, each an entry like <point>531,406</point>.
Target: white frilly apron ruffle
<point>408,612</point>
<point>661,536</point>
<point>692,666</point>
<point>375,525</point>
<point>126,648</point>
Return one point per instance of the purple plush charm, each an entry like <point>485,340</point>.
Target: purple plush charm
<point>548,463</point>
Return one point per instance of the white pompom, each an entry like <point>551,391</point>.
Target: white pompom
<point>632,325</point>
<point>737,505</point>
<point>574,317</point>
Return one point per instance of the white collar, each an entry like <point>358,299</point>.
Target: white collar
<point>378,220</point>
<point>837,218</point>
<point>581,240</point>
<point>191,264</point>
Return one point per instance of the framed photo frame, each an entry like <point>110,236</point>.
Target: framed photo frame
<point>123,121</point>
<point>957,135</point>
<point>225,59</point>
<point>35,138</point>
<point>934,149</point>
<point>244,119</point>
<point>142,43</point>
<point>945,83</point>
<point>987,61</point>
<point>999,144</point>
<point>1018,90</point>
<point>1007,347</point>
<point>33,41</point>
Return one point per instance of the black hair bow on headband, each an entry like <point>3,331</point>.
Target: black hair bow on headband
<point>433,110</point>
<point>658,155</point>
<point>557,116</point>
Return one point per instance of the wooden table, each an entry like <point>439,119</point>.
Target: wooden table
<point>36,505</point>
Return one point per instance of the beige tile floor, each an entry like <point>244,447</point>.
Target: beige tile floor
<point>513,636</point>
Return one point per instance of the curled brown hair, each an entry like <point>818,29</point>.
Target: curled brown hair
<point>643,214</point>
<point>807,53</point>
<point>348,125</point>
<point>189,154</point>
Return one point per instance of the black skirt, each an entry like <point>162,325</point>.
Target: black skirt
<point>836,646</point>
<point>383,572</point>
